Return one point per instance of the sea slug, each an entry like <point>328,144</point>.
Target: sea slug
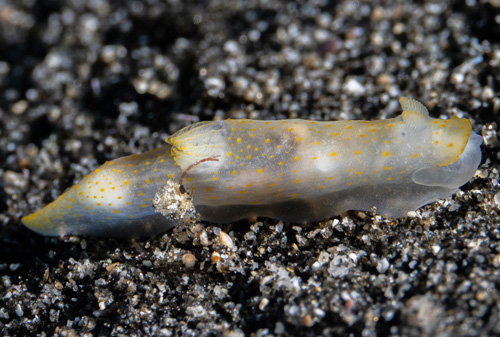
<point>293,170</point>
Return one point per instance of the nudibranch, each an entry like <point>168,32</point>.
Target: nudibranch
<point>292,170</point>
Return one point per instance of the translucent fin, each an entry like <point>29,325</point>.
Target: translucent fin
<point>197,142</point>
<point>409,104</point>
<point>455,174</point>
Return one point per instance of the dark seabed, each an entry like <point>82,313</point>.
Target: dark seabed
<point>83,82</point>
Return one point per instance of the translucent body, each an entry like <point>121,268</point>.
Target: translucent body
<point>293,170</point>
<point>114,200</point>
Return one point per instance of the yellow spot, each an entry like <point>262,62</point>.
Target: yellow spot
<point>387,141</point>
<point>141,194</point>
<point>357,152</point>
<point>148,181</point>
<point>272,185</point>
<point>387,168</point>
<point>249,156</point>
<point>333,154</point>
<point>144,205</point>
<point>290,129</point>
<point>238,140</point>
<point>229,154</point>
<point>314,158</point>
<point>98,204</point>
<point>280,163</point>
<point>361,136</point>
<point>321,187</point>
<point>386,154</point>
<point>68,207</point>
<point>359,172</point>
<point>208,189</point>
<point>116,211</point>
<point>389,178</point>
<point>415,155</point>
<point>450,145</point>
<point>243,192</point>
<point>335,133</point>
<point>215,178</point>
<point>260,170</point>
<point>268,140</point>
<point>299,139</point>
<point>296,181</point>
<point>213,198</point>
